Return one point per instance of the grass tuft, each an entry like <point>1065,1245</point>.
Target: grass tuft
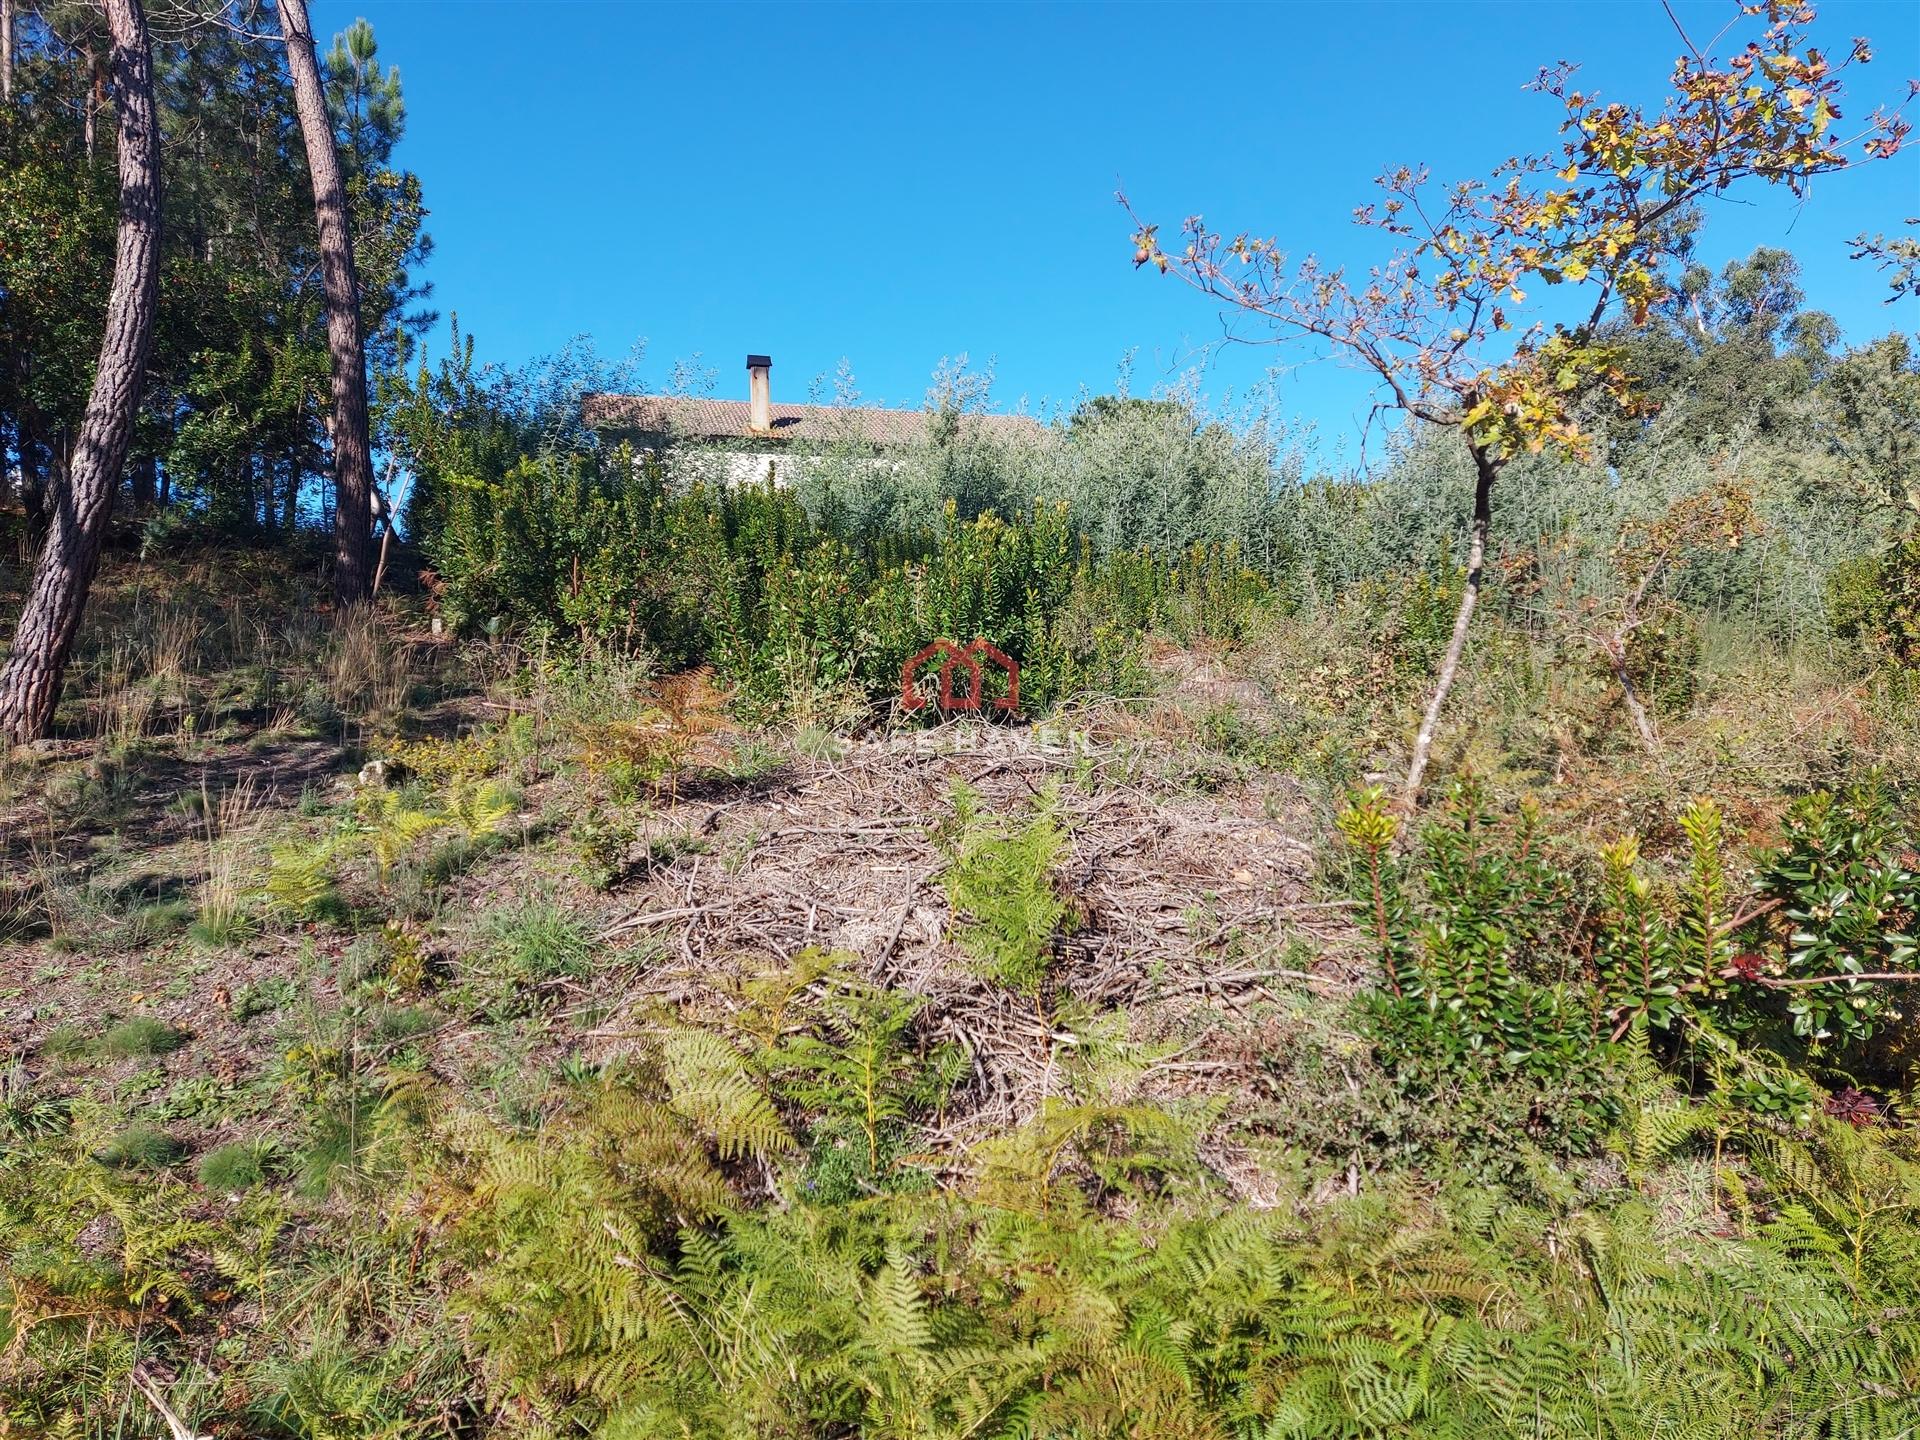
<point>140,1035</point>
<point>236,1167</point>
<point>536,940</point>
<point>142,1147</point>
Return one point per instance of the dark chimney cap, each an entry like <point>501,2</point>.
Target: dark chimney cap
<point>759,362</point>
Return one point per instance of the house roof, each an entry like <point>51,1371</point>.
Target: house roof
<point>711,420</point>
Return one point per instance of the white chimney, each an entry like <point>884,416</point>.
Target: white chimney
<point>760,394</point>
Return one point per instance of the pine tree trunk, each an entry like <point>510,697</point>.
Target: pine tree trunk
<point>30,679</point>
<point>352,449</point>
<point>146,481</point>
<point>1486,471</point>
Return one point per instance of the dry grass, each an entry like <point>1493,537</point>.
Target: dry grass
<point>232,862</point>
<point>368,667</point>
<point>1186,903</point>
<point>123,704</point>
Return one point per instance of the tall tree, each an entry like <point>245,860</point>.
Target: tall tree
<point>1437,322</point>
<point>30,680</point>
<point>352,447</point>
<point>369,107</point>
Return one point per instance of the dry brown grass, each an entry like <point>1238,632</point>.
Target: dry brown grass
<point>368,668</point>
<point>232,860</point>
<point>1188,903</point>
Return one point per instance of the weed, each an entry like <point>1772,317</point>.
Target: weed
<point>300,880</point>
<point>368,673</point>
<point>262,997</point>
<point>1001,876</point>
<point>152,923</point>
<point>330,1154</point>
<point>222,917</point>
<point>602,842</point>
<point>863,1080</point>
<point>390,820</point>
<point>66,1041</point>
<point>27,1113</point>
<point>394,1025</point>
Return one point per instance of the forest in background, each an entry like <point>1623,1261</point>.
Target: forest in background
<point>1435,955</point>
<point>232,429</point>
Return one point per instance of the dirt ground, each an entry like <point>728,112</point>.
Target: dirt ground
<point>1192,894</point>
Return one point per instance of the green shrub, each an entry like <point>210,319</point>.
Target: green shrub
<point>802,621</point>
<point>1663,661</point>
<point>1845,878</point>
<point>1875,599</point>
<point>1483,967</point>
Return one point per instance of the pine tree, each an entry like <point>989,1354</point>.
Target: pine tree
<point>352,445</point>
<point>30,682</point>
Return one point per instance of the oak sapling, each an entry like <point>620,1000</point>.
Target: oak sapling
<point>1440,323</point>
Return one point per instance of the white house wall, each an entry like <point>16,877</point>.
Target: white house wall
<point>736,467</point>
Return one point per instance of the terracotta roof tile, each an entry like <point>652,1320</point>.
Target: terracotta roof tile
<point>697,419</point>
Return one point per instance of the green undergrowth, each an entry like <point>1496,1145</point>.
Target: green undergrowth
<point>616,1270</point>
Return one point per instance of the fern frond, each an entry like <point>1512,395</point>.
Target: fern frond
<point>713,1088</point>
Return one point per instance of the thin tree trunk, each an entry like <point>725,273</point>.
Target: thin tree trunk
<point>30,679</point>
<point>59,463</point>
<point>6,49</point>
<point>91,104</point>
<point>1485,471</point>
<point>1636,710</point>
<point>146,481</point>
<point>33,470</point>
<point>352,450</point>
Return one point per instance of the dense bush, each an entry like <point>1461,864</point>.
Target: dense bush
<point>1500,963</point>
<point>606,550</point>
<point>1875,599</point>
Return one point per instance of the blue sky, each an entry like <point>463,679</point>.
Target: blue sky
<point>893,184</point>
